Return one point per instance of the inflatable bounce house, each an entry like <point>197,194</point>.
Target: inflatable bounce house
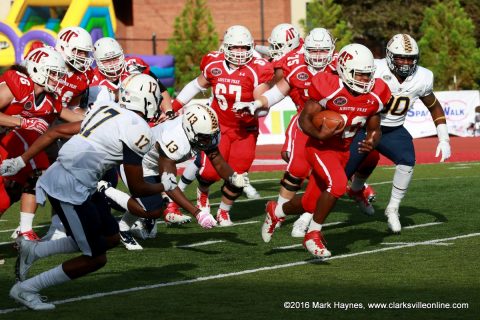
<point>33,20</point>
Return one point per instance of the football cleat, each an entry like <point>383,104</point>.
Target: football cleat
<point>300,226</point>
<point>29,235</point>
<point>26,257</point>
<point>172,215</point>
<point>393,219</point>
<point>313,242</point>
<point>223,218</point>
<point>271,220</point>
<point>31,299</point>
<point>361,200</point>
<point>15,233</point>
<point>129,241</point>
<point>251,192</point>
<point>370,193</point>
<point>202,201</point>
<point>144,228</point>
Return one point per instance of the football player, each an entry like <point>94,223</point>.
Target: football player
<point>283,39</point>
<point>358,97</point>
<point>177,140</point>
<point>113,67</point>
<point>408,82</point>
<point>299,67</point>
<point>110,134</point>
<point>234,75</point>
<point>28,107</point>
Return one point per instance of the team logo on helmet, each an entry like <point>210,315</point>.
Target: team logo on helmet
<point>302,76</point>
<point>216,72</point>
<point>340,101</point>
<point>37,56</point>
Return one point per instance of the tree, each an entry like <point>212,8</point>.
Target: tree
<point>326,14</point>
<point>448,46</point>
<point>194,36</point>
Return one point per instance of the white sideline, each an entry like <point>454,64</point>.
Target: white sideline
<point>233,274</point>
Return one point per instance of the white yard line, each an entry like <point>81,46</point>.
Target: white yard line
<point>403,243</point>
<point>244,272</point>
<point>423,225</point>
<point>198,244</point>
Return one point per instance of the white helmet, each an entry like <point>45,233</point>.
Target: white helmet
<point>106,50</point>
<point>70,42</point>
<point>356,59</point>
<point>402,46</point>
<point>140,92</point>
<point>283,39</point>
<point>200,124</point>
<point>238,36</point>
<point>319,39</point>
<point>46,65</point>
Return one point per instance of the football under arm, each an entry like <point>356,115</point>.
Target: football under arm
<point>64,130</point>
<point>305,120</point>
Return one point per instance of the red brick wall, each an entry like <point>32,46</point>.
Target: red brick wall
<point>158,16</point>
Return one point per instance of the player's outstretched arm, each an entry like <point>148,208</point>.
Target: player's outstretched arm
<point>10,167</point>
<point>374,134</point>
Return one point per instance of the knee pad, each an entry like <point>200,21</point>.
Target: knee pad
<point>203,182</point>
<point>290,182</point>
<point>230,191</point>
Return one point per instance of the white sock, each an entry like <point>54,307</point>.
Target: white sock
<point>47,248</point>
<point>313,226</point>
<point>188,176</point>
<point>357,183</point>
<point>401,180</point>
<point>279,211</point>
<point>26,221</point>
<point>46,279</point>
<point>306,216</point>
<point>281,200</point>
<point>224,206</point>
<point>127,221</point>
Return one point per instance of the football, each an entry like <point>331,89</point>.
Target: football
<point>331,118</point>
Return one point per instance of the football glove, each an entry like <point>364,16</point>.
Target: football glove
<point>103,185</point>
<point>250,107</point>
<point>206,220</point>
<point>239,180</point>
<point>11,167</point>
<point>443,148</point>
<point>36,124</point>
<point>169,181</point>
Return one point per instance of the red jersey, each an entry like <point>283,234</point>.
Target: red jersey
<point>23,104</point>
<point>329,90</point>
<point>234,85</point>
<point>278,64</point>
<point>74,85</point>
<point>299,76</point>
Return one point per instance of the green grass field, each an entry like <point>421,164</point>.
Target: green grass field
<point>234,275</point>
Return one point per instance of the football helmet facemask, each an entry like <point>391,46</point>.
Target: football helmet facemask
<point>237,36</point>
<point>402,46</point>
<point>283,39</point>
<point>140,92</point>
<point>46,67</point>
<point>200,124</point>
<point>75,44</point>
<point>353,60</point>
<point>319,47</point>
<point>109,57</point>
